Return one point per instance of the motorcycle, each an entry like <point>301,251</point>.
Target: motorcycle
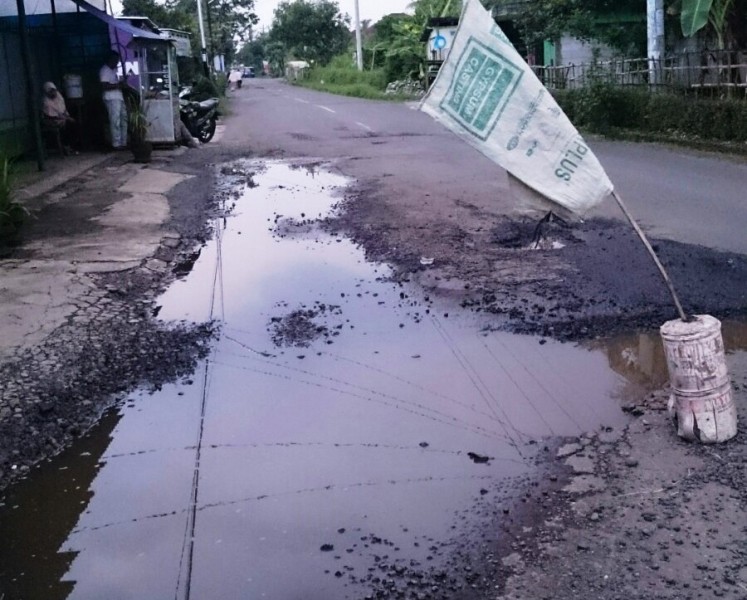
<point>199,117</point>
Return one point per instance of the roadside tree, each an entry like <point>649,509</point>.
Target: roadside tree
<point>397,37</point>
<point>311,31</point>
<point>228,21</point>
<point>726,18</point>
<point>253,53</point>
<point>597,20</point>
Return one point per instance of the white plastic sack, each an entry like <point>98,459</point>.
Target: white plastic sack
<point>488,95</point>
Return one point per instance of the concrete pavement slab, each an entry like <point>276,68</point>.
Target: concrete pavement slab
<point>38,296</point>
<point>58,173</point>
<point>152,181</point>
<point>42,293</point>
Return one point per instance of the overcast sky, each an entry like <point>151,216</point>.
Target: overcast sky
<point>370,9</point>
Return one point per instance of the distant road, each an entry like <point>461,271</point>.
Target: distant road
<point>683,195</point>
<point>693,197</point>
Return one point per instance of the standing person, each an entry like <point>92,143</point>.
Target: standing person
<point>234,76</point>
<point>114,101</point>
<point>55,115</point>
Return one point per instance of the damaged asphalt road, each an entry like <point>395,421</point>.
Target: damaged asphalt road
<point>80,331</point>
<point>569,286</point>
<point>623,512</point>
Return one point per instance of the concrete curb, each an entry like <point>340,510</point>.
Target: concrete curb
<point>70,169</point>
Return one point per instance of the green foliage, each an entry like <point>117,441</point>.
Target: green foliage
<point>395,47</point>
<point>204,88</point>
<point>190,69</point>
<point>276,53</point>
<point>694,16</point>
<point>356,90</point>
<point>620,24</point>
<point>405,53</point>
<point>718,18</point>
<point>427,9</point>
<point>159,13</point>
<point>221,84</point>
<point>602,108</point>
<point>706,118</point>
<point>342,77</point>
<point>253,54</point>
<point>5,184</point>
<point>311,31</point>
<point>12,213</point>
<point>137,121</point>
<point>726,17</point>
<point>227,20</point>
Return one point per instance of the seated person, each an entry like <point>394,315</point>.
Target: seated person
<point>54,112</point>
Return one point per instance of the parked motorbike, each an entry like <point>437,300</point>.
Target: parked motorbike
<point>199,117</point>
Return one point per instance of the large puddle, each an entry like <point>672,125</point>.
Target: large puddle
<point>340,421</point>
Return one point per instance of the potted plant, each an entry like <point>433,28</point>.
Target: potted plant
<point>137,131</point>
<point>12,213</point>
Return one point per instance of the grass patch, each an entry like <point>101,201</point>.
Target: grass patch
<point>224,106</point>
<point>357,90</point>
<point>343,78</point>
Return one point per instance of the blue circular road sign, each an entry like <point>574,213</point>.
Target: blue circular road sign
<point>439,42</point>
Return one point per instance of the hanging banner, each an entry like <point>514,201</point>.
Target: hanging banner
<point>488,95</point>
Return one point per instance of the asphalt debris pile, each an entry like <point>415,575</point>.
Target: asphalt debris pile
<point>576,281</point>
<point>302,326</point>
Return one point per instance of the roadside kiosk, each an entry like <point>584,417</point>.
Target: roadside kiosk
<point>150,68</point>
<point>158,85</point>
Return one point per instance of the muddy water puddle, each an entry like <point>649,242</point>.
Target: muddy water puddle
<point>342,422</point>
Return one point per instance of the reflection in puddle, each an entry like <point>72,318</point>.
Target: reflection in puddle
<point>639,357</point>
<point>341,421</point>
<point>39,513</point>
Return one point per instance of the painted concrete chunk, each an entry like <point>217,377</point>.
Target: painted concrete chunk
<point>152,181</point>
<point>569,449</point>
<point>581,464</point>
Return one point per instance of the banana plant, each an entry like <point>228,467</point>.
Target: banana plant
<point>696,14</point>
<point>718,18</point>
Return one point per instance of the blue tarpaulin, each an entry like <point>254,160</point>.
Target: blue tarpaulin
<point>122,26</point>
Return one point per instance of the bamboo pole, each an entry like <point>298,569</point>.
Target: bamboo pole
<point>651,251</point>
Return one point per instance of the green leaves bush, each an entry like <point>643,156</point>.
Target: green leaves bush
<point>12,213</point>
<point>205,88</point>
<point>602,108</point>
<point>343,77</point>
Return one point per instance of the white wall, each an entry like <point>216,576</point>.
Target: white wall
<point>572,51</point>
<point>448,34</point>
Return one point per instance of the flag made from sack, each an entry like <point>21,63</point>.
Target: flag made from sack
<point>489,96</point>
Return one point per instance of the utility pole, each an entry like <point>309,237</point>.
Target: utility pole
<point>203,50</point>
<point>208,14</point>
<point>31,102</point>
<point>358,40</point>
<point>655,30</point>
